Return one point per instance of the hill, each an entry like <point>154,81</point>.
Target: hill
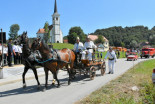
<point>62,45</point>
<point>128,36</point>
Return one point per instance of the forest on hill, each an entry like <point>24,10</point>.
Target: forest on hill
<point>129,37</point>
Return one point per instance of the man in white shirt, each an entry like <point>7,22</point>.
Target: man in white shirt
<point>16,53</point>
<point>88,48</point>
<point>111,60</point>
<point>20,53</point>
<point>78,47</point>
<point>5,52</point>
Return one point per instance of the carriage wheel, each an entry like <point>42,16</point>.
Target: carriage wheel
<point>103,68</point>
<point>92,73</point>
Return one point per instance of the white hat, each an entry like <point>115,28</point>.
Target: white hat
<point>77,38</point>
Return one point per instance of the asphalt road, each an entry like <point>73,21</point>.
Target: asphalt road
<point>82,86</point>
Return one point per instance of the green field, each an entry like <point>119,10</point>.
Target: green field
<point>62,45</point>
<point>119,90</point>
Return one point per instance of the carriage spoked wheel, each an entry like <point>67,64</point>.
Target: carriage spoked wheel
<point>92,73</point>
<point>103,68</point>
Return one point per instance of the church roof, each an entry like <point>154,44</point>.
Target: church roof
<point>55,7</point>
<point>41,31</point>
<point>94,37</point>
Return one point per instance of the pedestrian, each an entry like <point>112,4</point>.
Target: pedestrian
<point>20,54</point>
<point>111,60</point>
<point>5,52</point>
<point>118,53</point>
<point>1,55</point>
<point>10,53</point>
<point>15,53</point>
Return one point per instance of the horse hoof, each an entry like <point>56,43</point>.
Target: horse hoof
<point>38,88</point>
<point>24,86</point>
<point>44,89</point>
<point>73,77</point>
<point>58,86</point>
<point>69,83</point>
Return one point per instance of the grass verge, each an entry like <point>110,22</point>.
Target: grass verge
<point>119,91</point>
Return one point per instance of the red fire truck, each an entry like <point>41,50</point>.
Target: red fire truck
<point>148,52</point>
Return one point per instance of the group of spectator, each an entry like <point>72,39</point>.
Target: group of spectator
<point>11,51</point>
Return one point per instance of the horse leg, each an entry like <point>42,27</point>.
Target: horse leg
<point>69,72</point>
<point>55,77</point>
<point>36,76</point>
<point>24,73</point>
<point>73,72</point>
<point>46,78</point>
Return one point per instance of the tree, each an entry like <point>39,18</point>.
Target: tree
<point>72,38</point>
<point>133,44</point>
<point>76,31</point>
<point>152,39</point>
<point>47,32</point>
<point>13,33</point>
<point>99,40</point>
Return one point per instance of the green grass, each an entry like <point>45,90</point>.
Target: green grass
<point>119,90</point>
<point>62,45</point>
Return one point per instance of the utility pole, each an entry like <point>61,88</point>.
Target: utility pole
<point>1,69</point>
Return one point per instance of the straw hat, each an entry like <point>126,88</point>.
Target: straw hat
<point>77,38</point>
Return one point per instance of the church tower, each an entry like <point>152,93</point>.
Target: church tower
<point>56,33</point>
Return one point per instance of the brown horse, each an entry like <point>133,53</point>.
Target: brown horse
<point>66,58</point>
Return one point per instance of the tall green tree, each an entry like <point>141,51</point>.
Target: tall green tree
<point>47,32</point>
<point>99,40</point>
<point>13,33</point>
<point>152,39</point>
<point>133,44</point>
<point>78,32</point>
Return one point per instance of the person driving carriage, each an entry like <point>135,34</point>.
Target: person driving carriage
<point>78,46</point>
<point>88,48</point>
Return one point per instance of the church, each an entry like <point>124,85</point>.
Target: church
<point>56,35</point>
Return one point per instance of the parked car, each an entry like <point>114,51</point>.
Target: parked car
<point>148,52</point>
<point>132,56</point>
<point>127,52</point>
<point>153,76</point>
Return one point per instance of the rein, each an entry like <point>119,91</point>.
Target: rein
<point>41,62</point>
<point>51,59</point>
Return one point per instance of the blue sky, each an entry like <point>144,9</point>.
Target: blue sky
<point>88,14</point>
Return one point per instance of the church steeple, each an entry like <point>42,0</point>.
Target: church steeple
<point>55,7</point>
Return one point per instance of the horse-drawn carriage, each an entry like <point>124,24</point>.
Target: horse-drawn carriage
<point>66,59</point>
<point>86,67</point>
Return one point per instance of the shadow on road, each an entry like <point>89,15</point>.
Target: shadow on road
<point>79,79</point>
<point>29,89</point>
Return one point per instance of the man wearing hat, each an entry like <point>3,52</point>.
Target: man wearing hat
<point>111,60</point>
<point>88,48</point>
<point>78,46</point>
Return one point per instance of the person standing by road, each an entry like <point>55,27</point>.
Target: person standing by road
<point>16,53</point>
<point>5,52</point>
<point>10,53</point>
<point>20,59</point>
<point>111,60</point>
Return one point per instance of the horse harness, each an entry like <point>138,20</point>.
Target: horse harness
<point>55,57</point>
